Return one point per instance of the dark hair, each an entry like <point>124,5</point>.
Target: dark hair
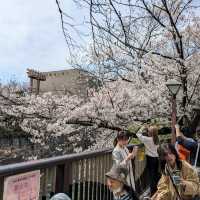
<point>162,153</point>
<point>120,135</point>
<point>130,191</point>
<point>186,131</point>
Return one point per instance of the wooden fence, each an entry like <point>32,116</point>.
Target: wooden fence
<point>82,176</point>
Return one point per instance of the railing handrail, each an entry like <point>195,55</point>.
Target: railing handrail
<point>26,166</point>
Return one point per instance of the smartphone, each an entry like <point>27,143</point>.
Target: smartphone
<point>176,179</point>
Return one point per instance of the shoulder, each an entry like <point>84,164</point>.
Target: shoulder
<point>187,165</point>
<point>116,151</point>
<point>187,168</point>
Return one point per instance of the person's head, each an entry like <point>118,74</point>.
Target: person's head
<point>153,132</point>
<point>168,153</point>
<point>186,131</point>
<point>60,196</point>
<point>116,178</point>
<point>121,139</point>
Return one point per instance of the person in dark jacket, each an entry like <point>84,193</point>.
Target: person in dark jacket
<point>185,146</point>
<point>116,181</point>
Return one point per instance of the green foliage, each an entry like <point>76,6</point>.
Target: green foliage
<point>134,128</point>
<point>162,138</point>
<point>160,122</point>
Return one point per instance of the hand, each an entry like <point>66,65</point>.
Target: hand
<point>178,132</point>
<point>133,153</point>
<point>182,185</point>
<point>135,150</point>
<point>177,126</point>
<point>154,197</point>
<point>143,129</point>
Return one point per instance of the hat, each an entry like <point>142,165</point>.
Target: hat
<point>60,196</point>
<point>118,173</point>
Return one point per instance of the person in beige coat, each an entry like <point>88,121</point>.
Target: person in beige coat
<point>179,180</point>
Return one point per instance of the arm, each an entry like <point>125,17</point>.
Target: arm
<point>140,136</point>
<point>163,192</point>
<point>178,132</point>
<point>190,180</point>
<point>119,160</point>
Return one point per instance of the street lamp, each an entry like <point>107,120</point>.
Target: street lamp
<point>173,87</point>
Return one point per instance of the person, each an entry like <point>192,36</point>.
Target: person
<point>122,156</point>
<point>60,196</point>
<point>179,179</point>
<point>185,146</point>
<point>151,143</point>
<point>116,181</point>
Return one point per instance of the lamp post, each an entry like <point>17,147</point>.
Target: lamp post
<point>173,87</point>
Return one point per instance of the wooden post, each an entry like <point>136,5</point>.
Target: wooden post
<point>67,177</point>
<point>60,170</point>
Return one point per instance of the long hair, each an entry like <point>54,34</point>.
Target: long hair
<point>162,153</point>
<point>120,135</point>
<point>115,142</point>
<point>153,132</point>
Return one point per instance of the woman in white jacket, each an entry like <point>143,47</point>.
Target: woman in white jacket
<point>151,142</point>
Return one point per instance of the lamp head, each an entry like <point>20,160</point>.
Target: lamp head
<point>173,86</point>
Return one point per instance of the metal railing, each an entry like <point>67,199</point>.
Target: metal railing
<point>81,175</point>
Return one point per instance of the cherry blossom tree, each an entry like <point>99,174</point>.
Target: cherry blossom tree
<point>136,46</point>
<point>163,34</point>
<point>89,123</point>
<point>83,123</point>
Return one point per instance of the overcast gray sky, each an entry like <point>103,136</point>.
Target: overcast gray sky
<point>31,37</point>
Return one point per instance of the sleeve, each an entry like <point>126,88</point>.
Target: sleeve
<point>162,192</point>
<point>191,180</point>
<point>140,136</point>
<point>188,143</point>
<point>118,159</point>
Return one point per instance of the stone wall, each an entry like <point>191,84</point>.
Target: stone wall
<point>70,81</point>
